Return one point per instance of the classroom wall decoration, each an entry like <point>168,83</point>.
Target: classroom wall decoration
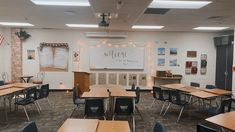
<point>101,78</point>
<point>142,80</point>
<point>161,62</point>
<point>31,54</point>
<point>161,51</point>
<point>203,63</point>
<point>53,56</point>
<point>123,79</point>
<point>173,62</point>
<point>76,56</point>
<point>173,51</point>
<point>191,67</point>
<point>112,78</point>
<point>92,79</point>
<point>192,54</point>
<point>132,79</point>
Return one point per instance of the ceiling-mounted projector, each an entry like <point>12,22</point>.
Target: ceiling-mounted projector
<point>104,22</point>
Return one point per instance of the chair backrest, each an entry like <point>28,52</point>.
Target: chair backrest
<point>94,107</point>
<point>31,93</point>
<point>158,93</point>
<point>210,86</point>
<point>175,97</point>
<point>158,127</point>
<point>137,92</point>
<point>30,127</point>
<point>44,91</point>
<point>203,128</point>
<point>225,106</point>
<point>194,84</point>
<point>133,87</point>
<point>2,83</point>
<point>124,106</point>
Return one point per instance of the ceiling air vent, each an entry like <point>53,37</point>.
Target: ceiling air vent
<point>156,11</point>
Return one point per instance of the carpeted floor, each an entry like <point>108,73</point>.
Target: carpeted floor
<point>53,117</point>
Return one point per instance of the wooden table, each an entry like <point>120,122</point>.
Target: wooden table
<point>225,120</point>
<point>218,91</point>
<point>113,126</point>
<point>25,79</point>
<point>79,125</point>
<point>203,95</point>
<point>94,125</point>
<point>173,86</point>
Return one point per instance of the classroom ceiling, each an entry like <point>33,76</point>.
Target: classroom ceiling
<point>218,13</point>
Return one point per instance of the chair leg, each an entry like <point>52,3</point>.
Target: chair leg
<point>163,107</point>
<point>138,111</point>
<point>167,109</point>
<point>49,101</point>
<point>182,108</point>
<point>26,113</point>
<point>133,122</point>
<point>152,103</point>
<point>72,112</point>
<point>104,117</point>
<point>113,117</point>
<point>39,106</point>
<point>36,107</point>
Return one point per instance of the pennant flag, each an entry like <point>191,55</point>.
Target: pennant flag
<point>1,38</point>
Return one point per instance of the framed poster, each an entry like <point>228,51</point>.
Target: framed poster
<point>173,51</point>
<point>191,53</point>
<point>31,54</point>
<point>161,51</point>
<point>161,62</point>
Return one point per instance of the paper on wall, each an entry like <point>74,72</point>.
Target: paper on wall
<point>61,58</point>
<point>46,57</point>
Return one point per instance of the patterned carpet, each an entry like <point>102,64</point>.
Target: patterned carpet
<point>53,117</point>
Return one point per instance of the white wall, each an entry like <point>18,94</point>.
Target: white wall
<point>183,41</point>
<point>5,52</point>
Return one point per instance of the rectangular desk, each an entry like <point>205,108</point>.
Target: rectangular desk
<point>225,120</point>
<point>203,95</point>
<point>79,125</point>
<point>94,125</point>
<point>113,126</point>
<point>218,91</point>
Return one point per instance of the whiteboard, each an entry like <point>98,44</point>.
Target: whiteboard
<point>105,57</point>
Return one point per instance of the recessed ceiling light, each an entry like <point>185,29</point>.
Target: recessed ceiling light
<point>16,24</point>
<point>170,4</point>
<point>146,27</point>
<point>62,2</point>
<point>210,28</point>
<point>82,25</point>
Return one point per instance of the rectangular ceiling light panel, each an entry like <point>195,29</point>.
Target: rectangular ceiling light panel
<point>82,25</point>
<point>171,4</point>
<point>210,28</point>
<point>146,27</point>
<point>16,24</point>
<point>62,2</point>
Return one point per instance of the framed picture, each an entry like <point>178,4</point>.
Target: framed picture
<point>161,51</point>
<point>76,56</point>
<point>173,51</point>
<point>31,54</point>
<point>173,62</point>
<point>161,62</point>
<point>191,53</point>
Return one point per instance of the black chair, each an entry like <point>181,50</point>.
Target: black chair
<point>175,98</point>
<point>203,128</point>
<point>43,94</point>
<point>210,86</point>
<point>30,127</point>
<point>161,95</point>
<point>194,84</point>
<point>158,127</point>
<point>76,100</point>
<point>95,108</point>
<point>125,106</point>
<point>30,98</point>
<point>133,87</point>
<point>2,83</point>
<point>137,100</point>
<point>224,107</point>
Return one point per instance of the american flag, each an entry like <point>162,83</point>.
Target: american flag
<point>1,38</point>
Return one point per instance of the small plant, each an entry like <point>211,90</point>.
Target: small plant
<point>22,35</point>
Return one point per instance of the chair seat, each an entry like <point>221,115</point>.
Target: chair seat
<point>213,110</point>
<point>79,101</point>
<point>25,101</point>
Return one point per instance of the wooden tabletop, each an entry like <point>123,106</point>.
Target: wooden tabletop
<point>226,120</point>
<point>96,94</point>
<point>79,125</point>
<point>218,91</point>
<point>203,94</point>
<point>10,90</point>
<point>190,89</point>
<point>173,86</point>
<point>123,94</point>
<point>113,126</point>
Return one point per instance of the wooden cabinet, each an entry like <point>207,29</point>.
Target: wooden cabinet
<point>81,79</point>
